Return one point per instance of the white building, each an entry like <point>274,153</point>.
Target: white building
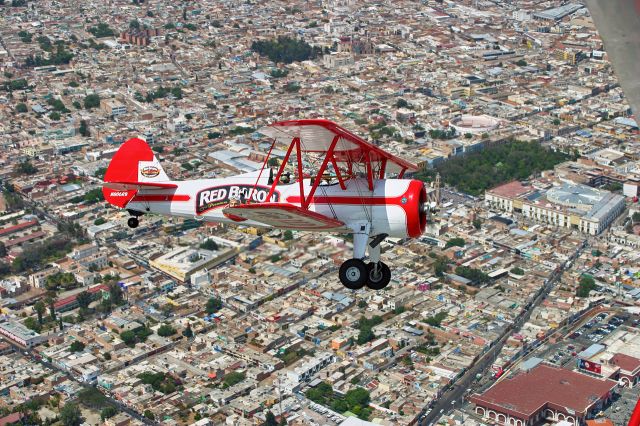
<point>337,60</point>
<point>308,369</point>
<point>20,334</point>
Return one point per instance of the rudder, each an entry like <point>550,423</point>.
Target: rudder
<point>133,162</point>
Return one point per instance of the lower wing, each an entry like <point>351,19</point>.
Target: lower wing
<point>286,216</point>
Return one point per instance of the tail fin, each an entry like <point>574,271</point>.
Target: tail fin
<point>133,166</point>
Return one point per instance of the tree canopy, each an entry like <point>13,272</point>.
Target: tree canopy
<point>479,171</point>
<point>585,286</point>
<point>285,49</point>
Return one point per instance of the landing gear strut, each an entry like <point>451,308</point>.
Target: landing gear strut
<point>354,273</point>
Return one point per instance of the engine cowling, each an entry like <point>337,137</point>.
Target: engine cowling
<point>416,208</point>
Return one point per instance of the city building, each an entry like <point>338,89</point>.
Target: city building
<point>20,334</point>
<point>544,393</point>
<point>113,107</point>
<point>566,205</point>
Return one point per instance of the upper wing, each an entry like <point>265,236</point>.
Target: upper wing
<point>286,216</point>
<point>318,136</point>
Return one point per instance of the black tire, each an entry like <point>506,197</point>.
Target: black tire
<point>381,280</point>
<point>133,222</point>
<point>353,274</point>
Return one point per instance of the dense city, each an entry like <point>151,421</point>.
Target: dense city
<point>519,305</point>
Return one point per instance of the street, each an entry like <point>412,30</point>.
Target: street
<point>454,396</point>
<point>29,353</point>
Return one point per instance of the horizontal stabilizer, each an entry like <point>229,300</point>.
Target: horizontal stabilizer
<point>286,216</point>
<point>127,186</point>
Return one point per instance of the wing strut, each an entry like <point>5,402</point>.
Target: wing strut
<point>282,166</point>
<point>306,200</point>
<point>260,174</point>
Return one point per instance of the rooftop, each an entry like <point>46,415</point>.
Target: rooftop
<point>528,392</point>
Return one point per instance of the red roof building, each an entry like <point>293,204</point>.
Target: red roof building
<point>544,393</point>
<point>629,369</point>
<point>16,228</point>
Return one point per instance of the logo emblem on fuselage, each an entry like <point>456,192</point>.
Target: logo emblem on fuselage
<point>220,196</point>
<point>150,171</point>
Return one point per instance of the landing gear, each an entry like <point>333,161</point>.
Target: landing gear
<point>378,275</point>
<point>353,274</point>
<point>133,221</point>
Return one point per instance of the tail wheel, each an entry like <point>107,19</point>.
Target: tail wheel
<point>378,275</point>
<point>353,274</point>
<point>133,222</point>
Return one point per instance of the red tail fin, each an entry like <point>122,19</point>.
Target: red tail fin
<point>134,162</point>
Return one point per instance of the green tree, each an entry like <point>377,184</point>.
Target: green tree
<point>401,103</point>
<point>288,235</point>
<point>214,304</point>
<point>188,332</point>
<point>209,244</point>
<point>585,286</point>
<point>32,324</point>
<point>357,396</point>
<point>128,337</point>
<point>77,346</point>
<point>149,414</point>
<point>102,30</point>
<point>26,168</point>
<point>556,122</point>
<point>55,116</point>
<point>21,108</point>
<point>473,274</point>
<point>84,298</point>
<point>70,415</point>
<point>477,223</point>
<point>40,309</point>
<point>270,419</point>
<point>497,164</point>
<point>521,63</point>
<point>457,242</point>
<point>92,101</point>
<point>52,310</point>
<point>232,378</point>
<point>517,271</point>
<point>437,319</point>
<point>84,129</point>
<point>165,330</point>
<point>108,412</point>
<point>285,50</point>
<point>134,24</point>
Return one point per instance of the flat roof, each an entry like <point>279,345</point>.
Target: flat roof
<point>528,392</point>
<point>19,330</point>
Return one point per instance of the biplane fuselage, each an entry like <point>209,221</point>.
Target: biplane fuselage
<point>347,192</point>
<point>393,207</point>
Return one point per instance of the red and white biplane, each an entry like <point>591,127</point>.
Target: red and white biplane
<point>347,193</point>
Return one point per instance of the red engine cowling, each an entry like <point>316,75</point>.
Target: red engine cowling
<point>416,209</point>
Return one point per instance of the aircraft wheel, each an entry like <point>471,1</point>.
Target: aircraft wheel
<point>353,274</point>
<point>133,222</point>
<point>378,279</point>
